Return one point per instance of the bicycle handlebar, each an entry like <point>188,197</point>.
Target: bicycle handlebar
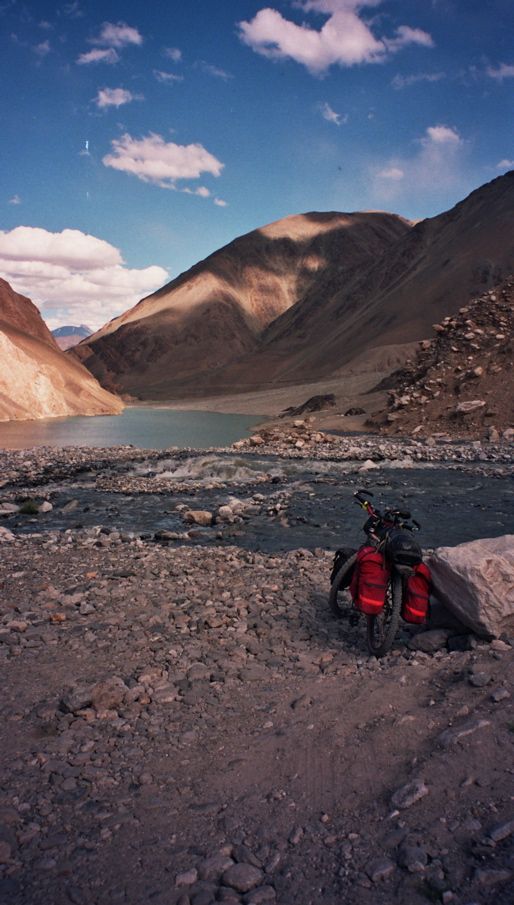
<point>389,518</point>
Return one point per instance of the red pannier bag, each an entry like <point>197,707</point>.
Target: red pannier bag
<point>369,582</point>
<point>416,595</point>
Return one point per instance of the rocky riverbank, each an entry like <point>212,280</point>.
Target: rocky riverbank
<point>184,722</point>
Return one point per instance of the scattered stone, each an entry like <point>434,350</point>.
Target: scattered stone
<point>187,877</point>
<point>380,869</point>
<point>490,877</point>
<point>479,679</point>
<point>409,794</point>
<point>199,517</point>
<point>500,694</point>
<point>108,695</point>
<point>243,877</point>
<point>454,734</point>
<point>501,831</point>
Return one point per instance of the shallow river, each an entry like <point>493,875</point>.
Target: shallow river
<point>143,427</point>
<point>316,508</point>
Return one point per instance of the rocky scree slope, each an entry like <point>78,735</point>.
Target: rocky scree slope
<point>461,382</point>
<point>36,379</point>
<point>177,339</point>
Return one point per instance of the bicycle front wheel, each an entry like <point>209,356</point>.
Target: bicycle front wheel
<point>381,629</point>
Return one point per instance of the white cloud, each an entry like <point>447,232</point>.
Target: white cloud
<point>173,53</point>
<point>42,49</point>
<point>441,135</point>
<point>405,35</point>
<point>161,163</point>
<point>404,81</point>
<point>120,35</point>
<point>436,162</point>
<point>220,203</point>
<point>167,77</point>
<point>73,276</point>
<point>394,173</point>
<point>69,248</point>
<point>114,97</point>
<point>503,71</point>
<point>331,116</point>
<point>344,40</point>
<point>98,56</point>
<point>215,71</point>
<point>15,199</point>
<point>505,164</point>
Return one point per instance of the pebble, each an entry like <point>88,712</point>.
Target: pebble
<point>243,877</point>
<point>479,679</point>
<point>380,869</point>
<point>409,794</point>
<point>452,735</point>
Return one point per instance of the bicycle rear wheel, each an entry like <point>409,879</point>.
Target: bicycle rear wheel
<point>381,630</point>
<point>339,599</point>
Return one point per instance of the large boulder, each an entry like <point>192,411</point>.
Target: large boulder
<point>476,582</point>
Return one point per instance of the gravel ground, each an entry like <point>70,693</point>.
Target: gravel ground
<point>185,723</point>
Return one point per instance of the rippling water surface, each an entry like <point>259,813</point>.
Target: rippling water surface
<point>147,428</point>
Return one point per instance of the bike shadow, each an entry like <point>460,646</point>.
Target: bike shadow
<point>328,631</point>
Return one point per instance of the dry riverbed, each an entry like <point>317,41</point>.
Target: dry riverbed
<point>184,722</point>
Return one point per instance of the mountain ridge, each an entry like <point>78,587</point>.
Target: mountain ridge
<point>37,380</point>
<point>306,297</point>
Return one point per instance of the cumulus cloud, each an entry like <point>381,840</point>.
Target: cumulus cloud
<point>441,135</point>
<point>114,97</point>
<point>344,40</point>
<point>167,77</point>
<point>220,203</point>
<point>436,162</point>
<point>162,163</point>
<point>15,199</point>
<point>120,35</point>
<point>404,81</point>
<point>331,116</point>
<point>501,72</point>
<point>505,164</point>
<point>108,55</point>
<point>73,276</point>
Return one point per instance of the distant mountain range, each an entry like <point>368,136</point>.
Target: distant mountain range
<point>37,380</point>
<point>306,298</point>
<point>69,336</point>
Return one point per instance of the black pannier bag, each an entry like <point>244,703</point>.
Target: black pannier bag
<point>402,549</point>
<point>340,557</point>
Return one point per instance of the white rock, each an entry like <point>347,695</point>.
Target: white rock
<point>368,465</point>
<point>476,582</point>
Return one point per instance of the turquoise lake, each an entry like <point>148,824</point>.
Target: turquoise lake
<point>143,427</point>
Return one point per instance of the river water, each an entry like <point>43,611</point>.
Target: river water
<point>143,427</point>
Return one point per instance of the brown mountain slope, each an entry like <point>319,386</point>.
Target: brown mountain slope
<point>217,311</point>
<point>461,382</point>
<point>37,380</point>
<point>430,272</point>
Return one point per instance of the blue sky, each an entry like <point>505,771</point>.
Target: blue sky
<point>137,137</point>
